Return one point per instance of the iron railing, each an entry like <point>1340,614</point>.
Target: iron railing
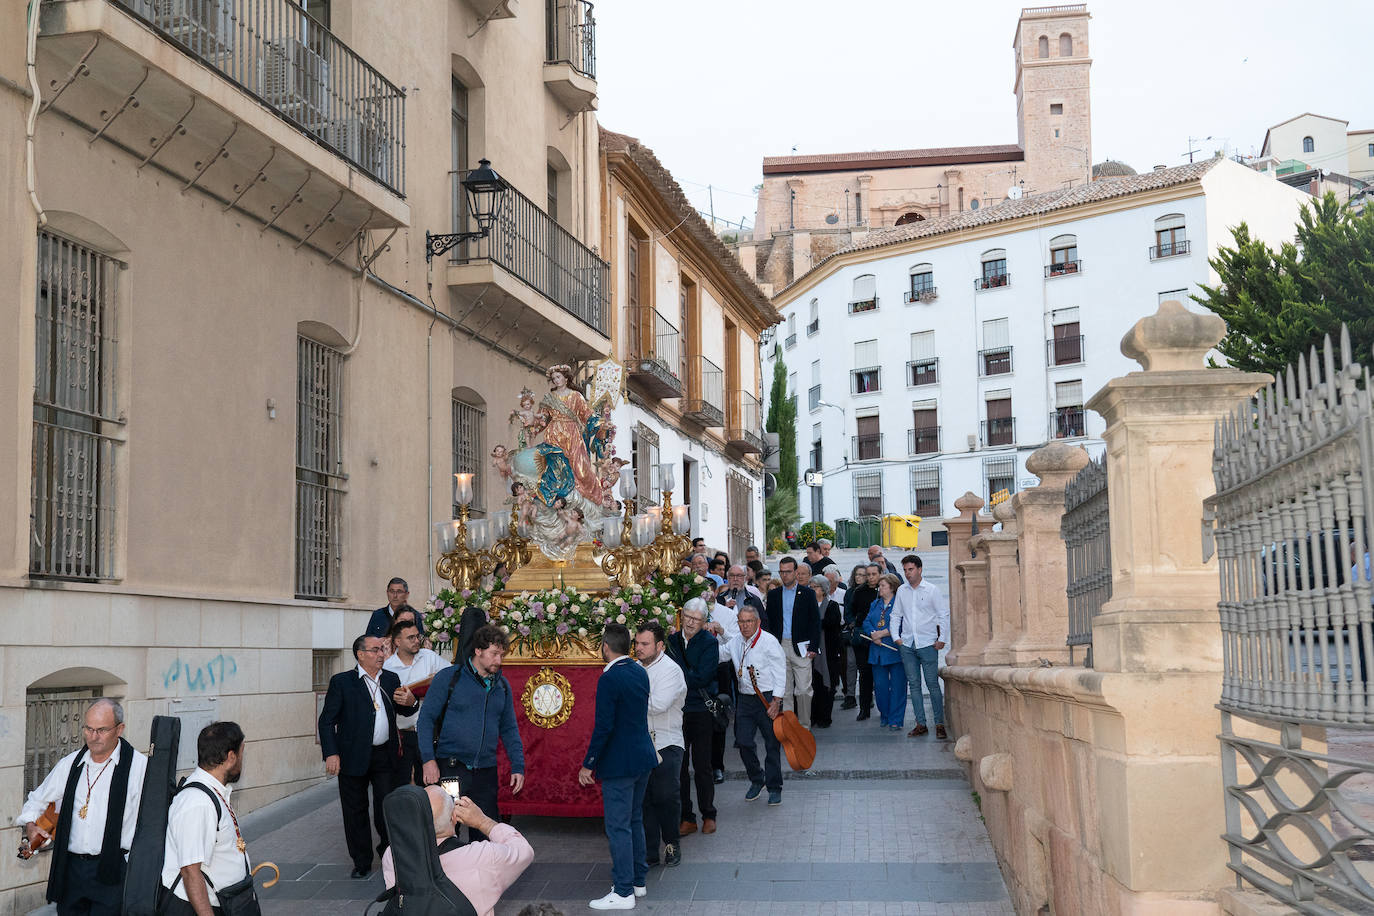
<point>52,729</point>
<point>745,426</point>
<point>790,341</point>
<point>1063,268</point>
<point>572,35</point>
<point>1169,250</point>
<point>863,305</point>
<point>813,397</point>
<point>992,281</point>
<point>866,381</point>
<point>923,440</point>
<point>996,361</point>
<point>867,447</point>
<point>319,470</point>
<point>705,392</point>
<point>998,431</point>
<point>277,53</point>
<point>662,356</point>
<point>921,294</point>
<point>1068,423</point>
<point>923,372</point>
<point>1294,472</point>
<point>532,245</point>
<point>73,503</point>
<point>813,328</point>
<point>1087,539</point>
<point>1064,351</point>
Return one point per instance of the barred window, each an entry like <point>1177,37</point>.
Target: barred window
<point>998,474</point>
<point>72,486</point>
<point>925,491</point>
<point>468,422</point>
<point>322,664</point>
<point>319,470</point>
<point>52,728</point>
<point>644,458</point>
<point>739,515</point>
<point>868,493</point>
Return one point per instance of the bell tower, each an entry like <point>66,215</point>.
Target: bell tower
<point>1053,108</point>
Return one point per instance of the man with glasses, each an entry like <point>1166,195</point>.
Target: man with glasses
<point>412,664</point>
<point>697,653</point>
<point>97,812</point>
<point>397,598</point>
<point>361,745</point>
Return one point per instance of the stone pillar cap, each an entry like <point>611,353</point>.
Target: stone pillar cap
<point>969,500</point>
<point>1004,513</point>
<point>1056,463</point>
<point>1173,338</point>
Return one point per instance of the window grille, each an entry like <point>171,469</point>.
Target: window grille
<point>469,420</point>
<point>319,470</point>
<point>998,474</point>
<point>644,452</point>
<point>739,516</point>
<point>52,729</point>
<point>322,663</point>
<point>868,493</point>
<point>72,485</point>
<point>925,491</point>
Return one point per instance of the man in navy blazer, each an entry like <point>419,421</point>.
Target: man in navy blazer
<point>397,596</point>
<point>360,744</point>
<point>795,619</point>
<point>621,754</point>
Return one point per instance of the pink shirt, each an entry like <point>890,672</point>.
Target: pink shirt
<point>482,870</point>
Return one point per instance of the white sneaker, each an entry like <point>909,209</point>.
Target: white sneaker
<point>640,890</point>
<point>613,901</point>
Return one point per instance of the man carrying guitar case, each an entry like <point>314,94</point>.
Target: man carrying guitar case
<point>422,888</point>
<point>144,876</point>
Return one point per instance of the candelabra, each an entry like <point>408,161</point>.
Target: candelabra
<point>463,563</point>
<point>624,560</point>
<point>513,550</point>
<point>672,542</point>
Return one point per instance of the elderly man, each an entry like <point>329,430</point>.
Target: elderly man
<point>756,657</point>
<point>737,592</point>
<point>695,650</point>
<point>482,870</point>
<point>701,565</point>
<point>397,597</point>
<point>96,814</point>
<point>875,555</point>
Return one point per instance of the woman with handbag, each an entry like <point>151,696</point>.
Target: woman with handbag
<point>859,598</point>
<point>889,677</point>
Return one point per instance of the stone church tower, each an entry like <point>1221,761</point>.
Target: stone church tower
<point>1054,122</point>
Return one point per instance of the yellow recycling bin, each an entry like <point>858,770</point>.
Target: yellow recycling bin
<point>902,531</point>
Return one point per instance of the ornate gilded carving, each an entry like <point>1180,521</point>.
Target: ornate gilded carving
<point>547,699</point>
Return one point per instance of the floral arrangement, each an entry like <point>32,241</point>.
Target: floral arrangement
<point>444,611</point>
<point>682,586</point>
<point>557,616</point>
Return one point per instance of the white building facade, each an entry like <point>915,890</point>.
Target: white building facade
<point>932,360</point>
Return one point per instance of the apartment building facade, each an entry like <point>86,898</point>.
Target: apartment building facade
<point>687,326</point>
<point>931,360</point>
<point>236,386</point>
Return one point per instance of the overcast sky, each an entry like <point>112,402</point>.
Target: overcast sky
<point>713,86</point>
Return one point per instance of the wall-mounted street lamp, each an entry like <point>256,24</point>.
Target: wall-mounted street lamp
<point>486,192</point>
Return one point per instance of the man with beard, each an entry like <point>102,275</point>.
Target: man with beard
<point>205,849</point>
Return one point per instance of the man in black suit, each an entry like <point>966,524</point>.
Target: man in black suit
<point>382,619</point>
<point>795,619</point>
<point>360,744</point>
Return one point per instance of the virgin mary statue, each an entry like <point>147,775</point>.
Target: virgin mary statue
<point>567,414</point>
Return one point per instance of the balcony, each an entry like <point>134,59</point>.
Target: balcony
<point>1169,250</point>
<point>813,398</point>
<point>790,341</point>
<point>1068,423</point>
<point>745,432</point>
<point>996,361</point>
<point>657,367</point>
<point>813,328</point>
<point>570,57</point>
<point>532,274</point>
<point>922,372</point>
<point>1064,351</point>
<point>866,381</point>
<point>1063,268</point>
<point>920,294</point>
<point>867,447</point>
<point>997,432</point>
<point>924,440</point>
<point>863,305</point>
<point>992,281</point>
<point>705,403</point>
<point>251,101</point>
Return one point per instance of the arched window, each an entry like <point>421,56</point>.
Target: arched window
<point>1044,49</point>
<point>865,297</point>
<point>922,283</point>
<point>1308,146</point>
<point>1063,256</point>
<point>909,217</point>
<point>1170,236</point>
<point>1066,45</point>
<point>994,269</point>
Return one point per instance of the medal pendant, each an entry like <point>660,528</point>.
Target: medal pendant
<point>81,813</point>
<point>375,707</point>
<point>243,847</point>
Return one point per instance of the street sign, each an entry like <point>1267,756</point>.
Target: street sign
<point>813,478</point>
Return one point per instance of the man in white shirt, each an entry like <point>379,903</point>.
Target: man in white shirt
<point>97,814</point>
<point>414,666</point>
<point>663,797</point>
<point>205,851</point>
<point>756,656</point>
<point>920,621</point>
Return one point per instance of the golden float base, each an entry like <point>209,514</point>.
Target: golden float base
<point>582,573</point>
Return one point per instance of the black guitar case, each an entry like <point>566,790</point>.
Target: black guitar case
<point>144,875</point>
<point>422,888</point>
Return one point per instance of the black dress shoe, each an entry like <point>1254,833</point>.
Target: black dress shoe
<point>863,715</point>
<point>360,873</point>
<point>849,703</point>
<point>672,855</point>
<point>821,724</point>
<point>651,862</point>
<point>718,776</point>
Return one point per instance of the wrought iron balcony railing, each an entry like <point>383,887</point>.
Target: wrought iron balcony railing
<point>1063,268</point>
<point>705,392</point>
<point>1068,423</point>
<point>745,430</point>
<point>658,363</point>
<point>291,63</point>
<point>992,281</point>
<point>921,294</point>
<point>868,447</point>
<point>923,440</point>
<point>813,398</point>
<point>863,305</point>
<point>1169,250</point>
<point>1064,351</point>
<point>995,361</point>
<point>923,372</point>
<point>572,35</point>
<point>532,245</point>
<point>866,381</point>
<point>790,341</point>
<point>1000,431</point>
<point>813,328</point>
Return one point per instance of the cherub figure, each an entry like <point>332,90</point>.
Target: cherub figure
<point>571,520</point>
<point>530,419</point>
<point>523,502</point>
<point>500,459</point>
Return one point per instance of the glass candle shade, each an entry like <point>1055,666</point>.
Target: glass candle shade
<point>666,475</point>
<point>445,534</point>
<point>627,483</point>
<point>610,532</point>
<point>462,489</point>
<point>682,519</point>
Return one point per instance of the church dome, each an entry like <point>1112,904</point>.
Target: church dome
<point>1111,168</point>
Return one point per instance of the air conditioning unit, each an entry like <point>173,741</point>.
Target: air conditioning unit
<point>204,26</point>
<point>362,143</point>
<point>972,442</point>
<point>294,79</point>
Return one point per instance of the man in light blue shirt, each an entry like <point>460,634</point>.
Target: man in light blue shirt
<point>920,626</point>
<point>794,618</point>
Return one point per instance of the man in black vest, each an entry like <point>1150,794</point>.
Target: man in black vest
<point>360,744</point>
<point>97,813</point>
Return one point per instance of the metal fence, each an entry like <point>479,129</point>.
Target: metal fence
<point>572,35</point>
<point>532,245</point>
<point>275,51</point>
<point>705,392</point>
<point>1087,538</point>
<point>1294,491</point>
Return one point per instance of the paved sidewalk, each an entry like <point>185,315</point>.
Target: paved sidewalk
<point>881,824</point>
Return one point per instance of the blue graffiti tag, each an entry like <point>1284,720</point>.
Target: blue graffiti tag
<point>202,677</point>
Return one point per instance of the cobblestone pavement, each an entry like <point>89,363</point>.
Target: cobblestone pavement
<point>882,824</point>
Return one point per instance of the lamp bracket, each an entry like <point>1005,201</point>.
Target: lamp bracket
<point>435,245</point>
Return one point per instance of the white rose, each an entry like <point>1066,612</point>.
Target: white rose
<point>663,595</point>
<point>516,616</point>
<point>697,579</point>
<point>620,618</point>
<point>581,631</point>
<point>505,629</point>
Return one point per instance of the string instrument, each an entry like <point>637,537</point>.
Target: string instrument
<point>47,822</point>
<point>798,743</point>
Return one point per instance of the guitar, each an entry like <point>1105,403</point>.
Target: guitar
<point>47,822</point>
<point>798,743</point>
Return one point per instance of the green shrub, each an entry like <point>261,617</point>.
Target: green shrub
<point>815,531</point>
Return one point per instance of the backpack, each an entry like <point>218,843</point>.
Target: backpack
<point>143,878</point>
<point>422,888</point>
